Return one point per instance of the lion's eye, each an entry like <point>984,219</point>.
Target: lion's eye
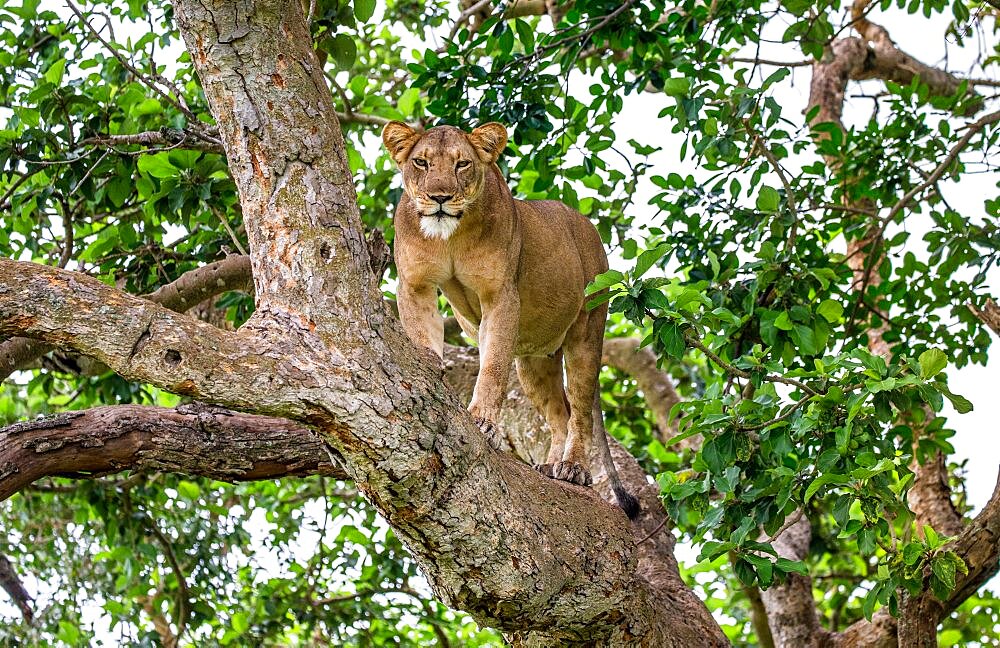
<point>420,163</point>
<point>462,164</point>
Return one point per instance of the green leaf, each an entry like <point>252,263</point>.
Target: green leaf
<point>647,259</point>
<point>932,361</point>
<point>408,101</point>
<point>188,490</point>
<point>344,51</point>
<point>604,280</point>
<point>672,340</point>
<point>148,106</point>
<point>677,87</point>
<point>764,566</point>
<point>768,199</point>
<point>791,566</point>
<point>961,404</point>
<point>944,569</point>
<point>525,34</point>
<point>157,166</point>
<point>830,310</point>
<point>912,553</point>
<point>933,540</point>
<point>824,480</point>
<point>804,339</point>
<point>364,9</point>
<point>239,622</point>
<point>54,74</point>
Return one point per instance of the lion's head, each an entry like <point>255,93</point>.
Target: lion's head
<point>444,169</point>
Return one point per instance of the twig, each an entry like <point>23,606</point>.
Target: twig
<point>788,523</point>
<point>465,15</point>
<point>174,138</point>
<point>758,61</point>
<point>654,531</point>
<point>789,194</point>
<point>935,175</point>
<point>760,426</point>
<point>225,223</point>
<point>182,587</point>
<point>730,369</point>
<point>131,68</point>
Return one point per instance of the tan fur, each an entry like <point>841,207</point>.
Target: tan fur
<point>514,273</point>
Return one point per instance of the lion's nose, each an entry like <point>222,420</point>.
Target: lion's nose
<point>439,199</point>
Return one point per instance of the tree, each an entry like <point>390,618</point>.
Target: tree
<point>776,357</point>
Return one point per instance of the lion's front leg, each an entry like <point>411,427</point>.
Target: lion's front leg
<point>419,315</point>
<point>497,338</point>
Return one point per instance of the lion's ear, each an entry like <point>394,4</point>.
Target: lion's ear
<point>399,139</point>
<point>489,140</point>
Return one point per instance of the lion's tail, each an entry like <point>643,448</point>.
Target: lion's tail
<point>626,500</point>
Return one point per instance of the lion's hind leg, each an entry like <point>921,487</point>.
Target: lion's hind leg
<point>542,381</point>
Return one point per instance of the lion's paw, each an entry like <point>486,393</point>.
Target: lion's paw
<point>489,429</point>
<point>568,471</point>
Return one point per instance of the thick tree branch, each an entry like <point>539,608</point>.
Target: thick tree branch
<point>889,63</point>
<point>141,340</point>
<point>191,288</point>
<point>191,439</point>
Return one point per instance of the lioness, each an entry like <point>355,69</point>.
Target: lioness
<point>514,272</point>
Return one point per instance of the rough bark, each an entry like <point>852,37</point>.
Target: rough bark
<point>231,273</point>
<point>930,496</point>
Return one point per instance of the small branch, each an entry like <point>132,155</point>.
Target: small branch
<point>183,594</point>
<point>789,194</point>
<point>759,61</point>
<point>693,340</point>
<point>465,15</point>
<point>936,175</point>
<point>778,419</point>
<point>168,137</point>
<point>580,37</point>
<point>792,520</point>
<point>229,230</point>
<point>11,584</point>
<point>131,68</point>
<point>362,118</point>
<point>989,314</point>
